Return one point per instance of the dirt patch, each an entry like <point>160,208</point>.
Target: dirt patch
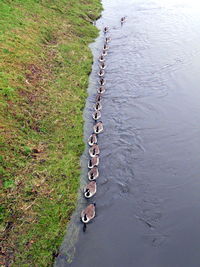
<point>34,74</point>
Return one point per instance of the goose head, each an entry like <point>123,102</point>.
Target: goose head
<point>102,66</point>
<point>98,97</point>
<point>101,90</point>
<point>87,193</point>
<point>90,163</point>
<point>102,81</point>
<point>85,219</point>
<point>123,19</point>
<point>105,29</point>
<point>97,106</point>
<point>101,72</point>
<point>105,47</point>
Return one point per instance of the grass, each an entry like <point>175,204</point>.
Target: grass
<point>44,67</point>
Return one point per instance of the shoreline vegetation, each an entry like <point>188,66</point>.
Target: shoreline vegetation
<point>45,62</point>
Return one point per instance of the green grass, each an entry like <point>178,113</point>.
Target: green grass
<point>44,67</point>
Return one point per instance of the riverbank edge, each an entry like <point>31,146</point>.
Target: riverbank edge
<point>44,72</point>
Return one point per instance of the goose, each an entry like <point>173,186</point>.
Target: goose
<point>105,47</point>
<point>102,66</point>
<point>93,174</point>
<point>96,115</point>
<point>88,214</point>
<point>102,81</point>
<point>92,139</point>
<point>123,19</point>
<point>98,127</point>
<point>93,162</point>
<point>97,106</point>
<point>105,29</point>
<point>104,53</point>
<point>101,90</point>
<point>107,40</point>
<point>94,151</point>
<point>101,73</point>
<point>101,58</point>
<point>98,97</point>
<point>90,189</point>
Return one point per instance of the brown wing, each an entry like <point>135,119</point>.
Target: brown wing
<point>90,211</point>
<point>91,186</point>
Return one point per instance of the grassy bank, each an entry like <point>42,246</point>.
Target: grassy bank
<point>44,67</point>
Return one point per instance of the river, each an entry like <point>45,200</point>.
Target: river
<point>148,198</point>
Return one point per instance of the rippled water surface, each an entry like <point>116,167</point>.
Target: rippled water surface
<point>148,199</point>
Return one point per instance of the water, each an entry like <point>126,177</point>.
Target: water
<point>148,199</point>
